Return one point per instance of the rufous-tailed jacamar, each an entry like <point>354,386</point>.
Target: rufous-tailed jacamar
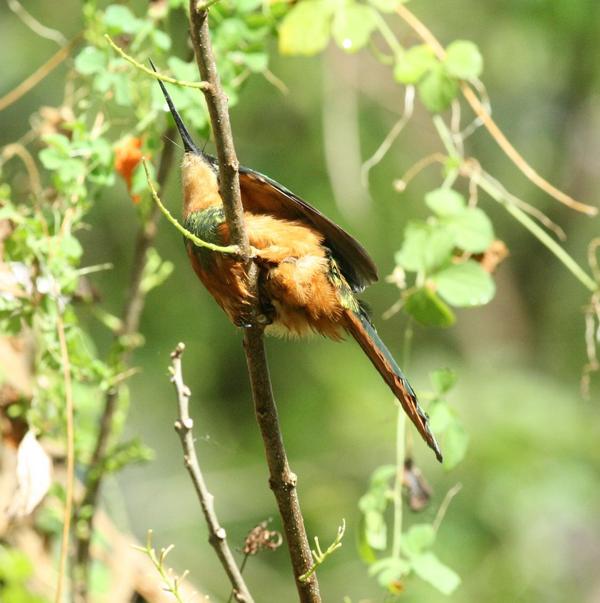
<point>310,268</point>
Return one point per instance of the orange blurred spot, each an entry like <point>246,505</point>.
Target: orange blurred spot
<point>128,155</point>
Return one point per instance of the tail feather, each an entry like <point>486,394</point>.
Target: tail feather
<point>360,327</point>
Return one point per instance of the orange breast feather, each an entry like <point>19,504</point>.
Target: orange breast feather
<point>294,277</point>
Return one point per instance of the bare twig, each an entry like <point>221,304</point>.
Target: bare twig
<point>186,233</point>
<point>320,556</point>
<point>36,27</point>
<point>388,141</point>
<point>70,477</point>
<point>37,76</point>
<point>152,72</point>
<point>282,480</point>
<point>425,34</point>
<point>217,535</point>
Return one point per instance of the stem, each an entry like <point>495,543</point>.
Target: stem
<point>64,353</point>
<point>539,233</point>
<point>217,535</point>
<point>131,315</point>
<point>388,35</point>
<point>401,450</point>
<point>282,480</point>
<point>398,503</point>
<point>186,233</point>
<point>487,183</point>
<point>425,34</point>
<point>152,72</point>
<point>35,78</point>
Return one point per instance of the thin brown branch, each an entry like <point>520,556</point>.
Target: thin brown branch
<point>38,75</point>
<point>131,315</point>
<point>70,477</point>
<point>36,27</point>
<point>282,480</point>
<point>217,535</point>
<point>425,34</point>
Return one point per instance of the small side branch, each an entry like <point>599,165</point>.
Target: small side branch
<point>320,556</point>
<point>152,72</point>
<point>186,233</point>
<point>183,427</point>
<point>425,34</point>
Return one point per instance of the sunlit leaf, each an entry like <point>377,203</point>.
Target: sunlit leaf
<point>445,201</point>
<point>463,60</point>
<point>437,89</point>
<point>425,247</point>
<point>386,6</point>
<point>465,284</point>
<point>429,568</point>
<point>417,538</point>
<point>306,28</point>
<point>389,570</point>
<point>119,19</point>
<point>90,60</point>
<point>353,25</point>
<point>413,64</point>
<point>456,442</point>
<point>440,417</point>
<point>473,229</point>
<point>443,380</point>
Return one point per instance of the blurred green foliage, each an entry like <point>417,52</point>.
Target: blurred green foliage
<point>525,525</point>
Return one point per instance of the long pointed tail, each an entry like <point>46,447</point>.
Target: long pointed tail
<point>360,327</point>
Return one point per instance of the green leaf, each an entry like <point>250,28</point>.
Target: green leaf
<point>437,89</point>
<point>90,60</point>
<point>386,6</point>
<point>161,39</point>
<point>463,60</point>
<point>366,552</point>
<point>353,25</point>
<point>375,530</point>
<point>419,537</point>
<point>246,6</point>
<point>428,309</point>
<point>456,442</point>
<point>464,285</point>
<point>255,61</point>
<point>473,230</point>
<point>445,202</point>
<point>440,418</point>
<point>413,64</point>
<point>15,566</point>
<point>429,568</point>
<point>389,569</point>
<point>119,19</point>
<point>373,505</point>
<point>425,247</point>
<point>306,28</point>
<point>443,379</point>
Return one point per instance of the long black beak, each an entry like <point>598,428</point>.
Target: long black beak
<point>188,143</point>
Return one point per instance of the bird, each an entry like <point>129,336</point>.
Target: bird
<point>310,269</point>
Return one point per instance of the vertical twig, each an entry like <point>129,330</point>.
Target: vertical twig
<point>282,480</point>
<point>132,312</point>
<point>217,535</point>
<point>64,353</point>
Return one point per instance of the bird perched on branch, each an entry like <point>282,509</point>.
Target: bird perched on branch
<point>310,269</point>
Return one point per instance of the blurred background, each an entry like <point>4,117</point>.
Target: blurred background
<point>526,524</point>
